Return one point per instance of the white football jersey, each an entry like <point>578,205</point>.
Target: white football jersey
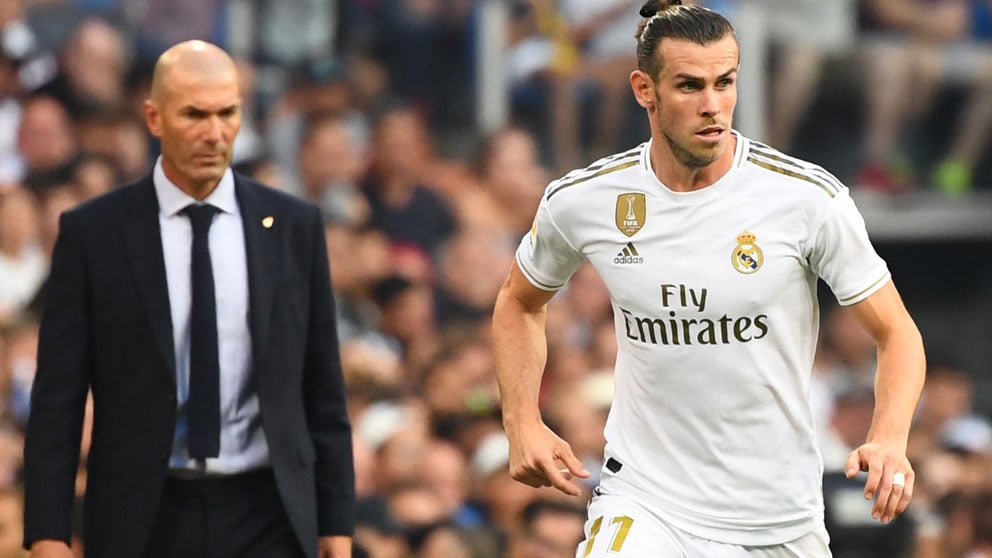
<point>714,299</point>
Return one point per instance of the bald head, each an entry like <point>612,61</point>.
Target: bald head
<point>190,62</point>
<point>195,112</point>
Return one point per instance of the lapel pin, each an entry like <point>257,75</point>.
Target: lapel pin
<point>267,222</point>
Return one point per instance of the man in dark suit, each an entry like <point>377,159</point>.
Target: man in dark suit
<point>196,304</point>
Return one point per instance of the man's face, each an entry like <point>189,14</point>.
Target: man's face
<point>196,119</point>
<point>695,97</point>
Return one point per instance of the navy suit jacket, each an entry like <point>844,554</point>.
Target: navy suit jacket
<point>107,326</point>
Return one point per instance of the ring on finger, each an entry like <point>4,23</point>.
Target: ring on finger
<point>899,479</point>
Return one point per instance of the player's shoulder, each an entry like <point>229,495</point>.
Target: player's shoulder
<point>798,176</point>
<point>580,183</point>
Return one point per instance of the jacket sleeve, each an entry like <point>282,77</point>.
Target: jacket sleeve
<point>324,394</point>
<point>58,396</point>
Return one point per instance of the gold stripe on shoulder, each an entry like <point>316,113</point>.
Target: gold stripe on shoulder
<point>793,174</point>
<point>603,172</point>
<point>814,172</point>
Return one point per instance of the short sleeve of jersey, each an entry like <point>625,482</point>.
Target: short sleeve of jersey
<point>842,255</point>
<point>545,256</point>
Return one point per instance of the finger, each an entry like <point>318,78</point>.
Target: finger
<point>530,477</point>
<point>557,478</point>
<point>530,480</point>
<point>907,493</point>
<point>889,493</point>
<point>573,465</point>
<point>873,484</point>
<point>853,465</point>
<point>888,511</point>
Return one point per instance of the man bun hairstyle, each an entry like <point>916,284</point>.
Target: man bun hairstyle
<point>671,19</point>
<point>652,7</point>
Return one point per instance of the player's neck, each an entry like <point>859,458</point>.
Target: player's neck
<point>679,177</point>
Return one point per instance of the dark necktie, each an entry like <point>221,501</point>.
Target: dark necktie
<point>203,409</point>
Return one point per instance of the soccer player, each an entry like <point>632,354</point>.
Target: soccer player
<point>710,245</point>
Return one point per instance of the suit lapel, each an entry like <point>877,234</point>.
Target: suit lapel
<point>262,247</point>
<point>143,245</point>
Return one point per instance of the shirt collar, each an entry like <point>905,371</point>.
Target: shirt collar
<point>172,200</point>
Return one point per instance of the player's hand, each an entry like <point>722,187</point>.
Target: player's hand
<point>46,548</point>
<point>886,465</point>
<point>335,547</point>
<point>538,457</point>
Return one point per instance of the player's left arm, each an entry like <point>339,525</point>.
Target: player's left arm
<point>898,383</point>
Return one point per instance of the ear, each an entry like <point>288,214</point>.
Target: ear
<point>643,87</point>
<point>153,118</point>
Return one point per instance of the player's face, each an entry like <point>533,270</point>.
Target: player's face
<point>695,95</point>
<point>196,121</point>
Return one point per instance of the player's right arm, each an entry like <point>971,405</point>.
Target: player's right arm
<point>537,455</point>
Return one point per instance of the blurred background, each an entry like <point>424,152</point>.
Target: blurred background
<point>427,131</point>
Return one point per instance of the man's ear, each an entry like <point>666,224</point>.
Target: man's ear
<point>153,118</point>
<point>643,87</point>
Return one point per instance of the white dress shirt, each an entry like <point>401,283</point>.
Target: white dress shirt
<point>242,442</point>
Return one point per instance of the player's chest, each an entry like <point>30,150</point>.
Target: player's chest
<point>701,259</point>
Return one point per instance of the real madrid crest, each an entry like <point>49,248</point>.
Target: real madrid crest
<point>631,212</point>
<point>747,257</point>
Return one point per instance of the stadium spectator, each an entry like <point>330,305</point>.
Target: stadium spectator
<point>470,273</point>
<point>117,136</point>
<point>316,87</point>
<point>94,175</point>
<point>11,100</point>
<point>20,340</point>
<point>403,303</point>
<point>331,168</point>
<point>913,48</point>
<point>572,59</point>
<point>23,262</point>
<point>93,70</point>
<point>46,139</point>
<point>805,35</point>
<point>550,529</point>
<point>509,182</point>
<point>948,394</point>
<point>403,204</point>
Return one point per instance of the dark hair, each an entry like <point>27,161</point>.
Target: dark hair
<point>671,19</point>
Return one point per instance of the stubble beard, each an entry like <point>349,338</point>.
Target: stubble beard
<point>685,156</point>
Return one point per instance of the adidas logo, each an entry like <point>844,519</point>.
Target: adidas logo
<point>628,255</point>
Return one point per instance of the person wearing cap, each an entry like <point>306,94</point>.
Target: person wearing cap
<point>710,245</point>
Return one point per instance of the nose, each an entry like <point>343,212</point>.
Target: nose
<point>710,105</point>
<point>213,129</point>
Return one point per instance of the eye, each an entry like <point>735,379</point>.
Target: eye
<point>725,82</point>
<point>688,86</point>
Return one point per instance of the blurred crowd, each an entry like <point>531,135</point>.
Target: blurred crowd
<point>420,240</point>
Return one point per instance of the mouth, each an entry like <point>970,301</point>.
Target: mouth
<point>711,133</point>
<point>207,158</point>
